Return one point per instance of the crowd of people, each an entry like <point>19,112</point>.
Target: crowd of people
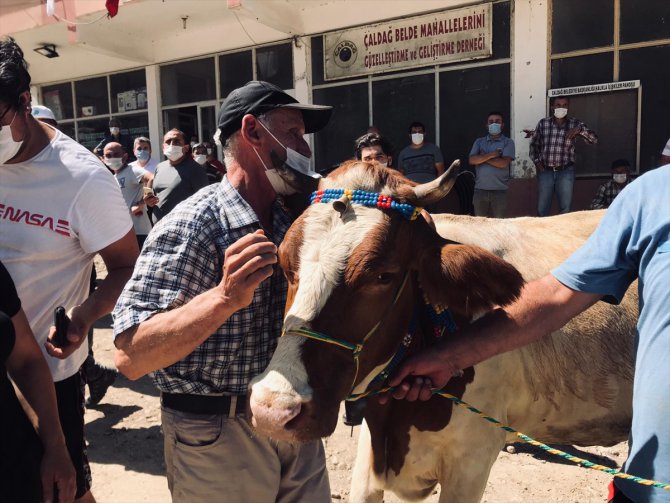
<point>190,247</point>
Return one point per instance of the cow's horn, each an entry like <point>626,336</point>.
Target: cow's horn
<point>431,192</point>
<point>341,204</point>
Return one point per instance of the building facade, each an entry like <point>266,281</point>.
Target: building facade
<point>446,63</point>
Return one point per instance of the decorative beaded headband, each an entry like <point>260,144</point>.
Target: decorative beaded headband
<point>364,198</point>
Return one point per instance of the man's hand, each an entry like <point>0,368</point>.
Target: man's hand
<point>56,469</point>
<point>419,374</point>
<point>151,200</point>
<point>137,209</point>
<point>573,132</point>
<point>77,333</point>
<point>539,167</point>
<point>247,263</point>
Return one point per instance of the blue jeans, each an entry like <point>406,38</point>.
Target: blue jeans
<point>560,182</point>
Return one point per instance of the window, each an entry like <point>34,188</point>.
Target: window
<point>188,82</point>
<point>92,131</point>
<point>129,91</point>
<point>274,64</point>
<point>643,64</point>
<point>572,29</point>
<point>644,20</point>
<point>466,98</point>
<point>335,143</point>
<point>235,70</point>
<point>396,103</point>
<point>582,70</point>
<point>92,97</point>
<point>59,99</point>
<point>501,30</point>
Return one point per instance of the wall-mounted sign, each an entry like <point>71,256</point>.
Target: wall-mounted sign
<point>433,39</point>
<point>594,88</point>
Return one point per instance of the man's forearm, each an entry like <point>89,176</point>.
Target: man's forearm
<point>102,301</point>
<point>170,336</point>
<point>544,306</point>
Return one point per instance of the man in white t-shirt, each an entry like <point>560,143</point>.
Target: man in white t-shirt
<point>131,180</point>
<point>58,207</point>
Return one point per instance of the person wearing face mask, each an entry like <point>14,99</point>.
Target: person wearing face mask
<point>211,158</point>
<point>131,180</point>
<point>201,157</point>
<point>491,155</point>
<point>420,161</point>
<point>142,150</point>
<point>192,322</point>
<point>373,147</point>
<point>176,178</point>
<point>552,149</point>
<point>72,209</point>
<point>611,188</point>
<point>114,134</point>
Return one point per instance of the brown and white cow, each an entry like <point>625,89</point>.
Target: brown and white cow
<point>346,270</point>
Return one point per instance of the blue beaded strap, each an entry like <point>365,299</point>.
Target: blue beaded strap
<point>364,198</point>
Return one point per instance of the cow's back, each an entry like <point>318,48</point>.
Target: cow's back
<point>575,386</point>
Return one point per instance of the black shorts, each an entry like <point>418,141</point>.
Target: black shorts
<point>70,398</point>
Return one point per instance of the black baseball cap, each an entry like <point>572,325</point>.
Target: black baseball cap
<point>257,97</point>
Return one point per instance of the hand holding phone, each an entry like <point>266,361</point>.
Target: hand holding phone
<point>61,322</point>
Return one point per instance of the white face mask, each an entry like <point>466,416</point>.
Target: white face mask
<point>209,151</point>
<point>173,152</point>
<point>294,159</point>
<point>620,178</point>
<point>8,146</point>
<point>417,138</point>
<point>114,163</point>
<point>114,131</point>
<point>200,159</point>
<point>559,113</point>
<point>279,185</point>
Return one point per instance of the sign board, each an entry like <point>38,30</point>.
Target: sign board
<point>433,39</point>
<point>594,88</point>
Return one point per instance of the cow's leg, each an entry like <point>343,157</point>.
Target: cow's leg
<point>363,486</point>
<point>468,461</point>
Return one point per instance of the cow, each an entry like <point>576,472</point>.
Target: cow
<point>360,273</point>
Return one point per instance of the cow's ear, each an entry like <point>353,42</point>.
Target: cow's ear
<point>467,279</point>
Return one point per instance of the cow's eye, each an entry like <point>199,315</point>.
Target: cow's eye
<point>384,278</point>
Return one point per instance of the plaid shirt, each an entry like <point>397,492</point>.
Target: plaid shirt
<point>606,194</point>
<point>183,257</point>
<point>550,146</point>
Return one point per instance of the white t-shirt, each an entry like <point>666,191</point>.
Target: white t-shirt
<point>150,166</point>
<point>132,188</point>
<point>56,211</point>
<point>666,150</point>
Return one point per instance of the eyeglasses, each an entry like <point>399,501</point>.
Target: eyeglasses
<point>378,158</point>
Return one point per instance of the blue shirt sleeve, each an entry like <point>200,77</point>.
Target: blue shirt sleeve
<point>508,149</point>
<point>608,262</point>
<point>475,148</point>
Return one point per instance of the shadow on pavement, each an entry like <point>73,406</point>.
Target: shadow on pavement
<point>137,449</point>
<point>537,453</point>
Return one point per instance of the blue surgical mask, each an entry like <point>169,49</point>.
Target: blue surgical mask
<point>495,128</point>
<point>142,155</point>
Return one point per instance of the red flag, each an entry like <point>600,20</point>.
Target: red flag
<point>112,7</point>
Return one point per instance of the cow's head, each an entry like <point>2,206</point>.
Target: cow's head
<point>356,271</point>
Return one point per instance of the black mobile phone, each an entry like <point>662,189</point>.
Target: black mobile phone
<point>61,322</point>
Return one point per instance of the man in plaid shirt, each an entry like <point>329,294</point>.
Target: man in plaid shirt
<point>610,189</point>
<point>552,149</point>
<point>205,306</point>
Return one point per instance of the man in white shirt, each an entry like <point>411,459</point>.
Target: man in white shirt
<point>58,207</point>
